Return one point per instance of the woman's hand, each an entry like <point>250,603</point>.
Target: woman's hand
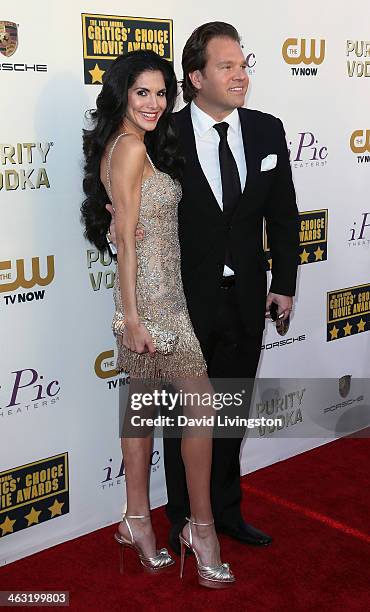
<point>137,338</point>
<point>139,234</point>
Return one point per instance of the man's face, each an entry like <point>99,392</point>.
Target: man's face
<point>223,83</point>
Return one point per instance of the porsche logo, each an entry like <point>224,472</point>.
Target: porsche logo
<point>8,38</point>
<point>345,385</point>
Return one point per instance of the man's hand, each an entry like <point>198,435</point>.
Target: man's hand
<point>284,302</point>
<point>112,228</point>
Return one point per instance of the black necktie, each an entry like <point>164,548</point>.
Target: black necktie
<point>231,190</point>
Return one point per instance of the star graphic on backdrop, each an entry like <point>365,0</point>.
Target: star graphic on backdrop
<point>334,333</point>
<point>304,256</point>
<point>347,329</point>
<point>361,325</point>
<point>56,508</point>
<point>318,254</point>
<point>33,516</point>
<point>7,526</point>
<point>96,74</point>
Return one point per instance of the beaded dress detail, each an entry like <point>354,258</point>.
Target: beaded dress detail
<point>159,291</point>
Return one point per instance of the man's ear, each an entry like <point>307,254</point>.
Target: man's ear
<point>196,79</point>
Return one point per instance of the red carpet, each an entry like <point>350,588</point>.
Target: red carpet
<point>316,506</point>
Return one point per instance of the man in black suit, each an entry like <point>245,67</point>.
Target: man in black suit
<point>223,262</point>
<point>237,173</point>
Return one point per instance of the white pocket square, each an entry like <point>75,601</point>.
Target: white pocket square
<point>269,162</point>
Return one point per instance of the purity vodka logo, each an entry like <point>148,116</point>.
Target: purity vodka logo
<point>23,165</point>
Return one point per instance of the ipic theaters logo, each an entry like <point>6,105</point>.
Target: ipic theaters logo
<point>251,61</point>
<point>28,390</point>
<point>115,476</point>
<point>25,274</point>
<point>313,237</point>
<point>360,232</point>
<point>9,39</point>
<point>360,145</point>
<point>34,493</point>
<point>287,408</point>
<point>23,165</point>
<point>102,278</point>
<point>303,52</point>
<point>348,312</point>
<point>358,58</point>
<point>306,151</point>
<point>106,36</point>
<point>105,369</point>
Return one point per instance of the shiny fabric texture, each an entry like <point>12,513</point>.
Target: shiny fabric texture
<point>159,291</point>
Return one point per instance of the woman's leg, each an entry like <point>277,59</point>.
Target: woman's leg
<point>196,449</point>
<point>136,453</point>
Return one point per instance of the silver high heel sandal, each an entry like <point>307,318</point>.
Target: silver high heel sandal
<point>216,577</point>
<point>156,564</point>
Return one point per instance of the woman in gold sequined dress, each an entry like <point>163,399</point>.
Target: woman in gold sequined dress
<point>131,156</point>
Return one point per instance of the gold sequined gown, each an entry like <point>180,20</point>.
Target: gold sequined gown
<point>159,291</point>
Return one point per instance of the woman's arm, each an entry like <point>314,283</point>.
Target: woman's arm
<point>127,166</point>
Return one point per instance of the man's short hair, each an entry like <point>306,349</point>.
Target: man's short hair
<point>194,55</point>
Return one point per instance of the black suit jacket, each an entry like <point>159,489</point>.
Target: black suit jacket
<point>204,232</point>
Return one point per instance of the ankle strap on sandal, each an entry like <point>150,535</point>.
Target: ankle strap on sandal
<point>136,516</point>
<point>191,522</point>
<point>133,516</point>
<point>199,524</point>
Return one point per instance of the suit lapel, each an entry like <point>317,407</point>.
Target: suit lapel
<point>193,168</point>
<point>251,147</point>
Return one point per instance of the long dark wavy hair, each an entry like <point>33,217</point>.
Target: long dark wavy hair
<point>111,105</point>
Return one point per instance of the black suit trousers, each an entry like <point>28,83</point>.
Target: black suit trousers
<point>230,353</point>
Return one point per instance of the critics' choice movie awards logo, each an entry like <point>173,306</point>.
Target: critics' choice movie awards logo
<point>33,493</point>
<point>25,274</point>
<point>28,390</point>
<point>102,278</point>
<point>360,145</point>
<point>105,369</point>
<point>106,36</point>
<point>304,55</point>
<point>23,165</point>
<point>9,45</point>
<point>348,312</point>
<point>358,58</point>
<point>306,151</point>
<point>360,231</point>
<point>313,237</point>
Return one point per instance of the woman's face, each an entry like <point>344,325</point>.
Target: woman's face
<point>146,101</point>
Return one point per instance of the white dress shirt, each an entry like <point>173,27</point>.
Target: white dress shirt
<point>207,141</point>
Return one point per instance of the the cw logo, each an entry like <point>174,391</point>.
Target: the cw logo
<point>360,141</point>
<point>295,52</point>
<point>103,368</point>
<point>20,280</point>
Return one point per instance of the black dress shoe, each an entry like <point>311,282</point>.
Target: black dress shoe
<point>243,532</point>
<point>173,538</point>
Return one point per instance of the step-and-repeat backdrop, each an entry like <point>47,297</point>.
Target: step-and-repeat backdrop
<point>61,473</point>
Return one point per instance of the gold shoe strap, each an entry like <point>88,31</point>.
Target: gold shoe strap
<point>133,516</point>
<point>191,522</point>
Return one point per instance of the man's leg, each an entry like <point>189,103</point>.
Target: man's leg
<point>234,360</point>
